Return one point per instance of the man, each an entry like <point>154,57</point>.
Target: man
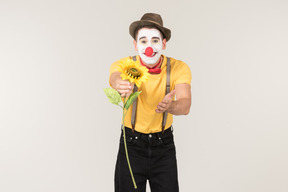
<point>148,126</point>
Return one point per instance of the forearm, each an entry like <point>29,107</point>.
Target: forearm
<point>114,78</point>
<point>180,107</point>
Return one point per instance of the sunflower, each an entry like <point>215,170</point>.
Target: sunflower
<point>133,71</point>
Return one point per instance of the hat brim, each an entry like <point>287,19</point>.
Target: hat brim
<point>165,31</point>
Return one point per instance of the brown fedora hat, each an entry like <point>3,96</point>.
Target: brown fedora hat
<point>150,20</point>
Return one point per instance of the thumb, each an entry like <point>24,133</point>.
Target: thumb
<point>171,94</point>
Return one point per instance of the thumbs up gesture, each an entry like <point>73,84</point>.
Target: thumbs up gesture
<point>166,103</point>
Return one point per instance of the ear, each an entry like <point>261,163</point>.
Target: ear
<point>135,45</point>
<point>164,44</point>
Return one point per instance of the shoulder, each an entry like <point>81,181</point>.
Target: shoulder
<point>177,65</point>
<point>118,62</point>
<point>180,72</point>
<point>123,59</point>
<point>116,65</point>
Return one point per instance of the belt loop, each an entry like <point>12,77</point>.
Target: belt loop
<point>159,136</point>
<point>136,134</point>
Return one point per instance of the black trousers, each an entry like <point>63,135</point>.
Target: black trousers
<point>152,157</point>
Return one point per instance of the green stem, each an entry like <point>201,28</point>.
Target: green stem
<point>125,145</point>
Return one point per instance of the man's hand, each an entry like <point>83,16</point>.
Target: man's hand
<point>166,103</point>
<point>124,87</point>
<point>179,107</point>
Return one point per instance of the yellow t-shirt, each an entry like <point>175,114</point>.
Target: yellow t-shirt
<point>153,91</point>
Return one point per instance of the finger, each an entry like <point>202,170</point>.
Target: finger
<point>161,108</point>
<point>121,91</point>
<point>124,91</point>
<point>162,105</point>
<point>124,82</point>
<point>166,101</point>
<point>159,111</point>
<point>122,87</point>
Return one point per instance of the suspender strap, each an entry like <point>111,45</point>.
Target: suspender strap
<point>166,91</point>
<point>134,108</point>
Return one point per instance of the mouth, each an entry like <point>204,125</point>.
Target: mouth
<point>154,53</point>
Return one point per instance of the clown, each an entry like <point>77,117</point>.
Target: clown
<point>148,124</point>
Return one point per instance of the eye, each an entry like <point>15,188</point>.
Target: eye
<point>143,41</point>
<point>155,41</point>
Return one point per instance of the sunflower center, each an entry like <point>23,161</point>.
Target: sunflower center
<point>133,70</point>
<point>134,73</point>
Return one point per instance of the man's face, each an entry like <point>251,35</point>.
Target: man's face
<point>149,45</point>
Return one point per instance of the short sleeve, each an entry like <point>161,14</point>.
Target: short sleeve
<point>182,73</point>
<point>114,68</point>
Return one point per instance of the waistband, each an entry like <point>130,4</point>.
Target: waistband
<point>166,132</point>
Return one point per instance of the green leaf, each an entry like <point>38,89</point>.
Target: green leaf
<point>113,96</point>
<point>131,99</point>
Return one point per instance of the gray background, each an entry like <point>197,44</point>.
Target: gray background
<point>59,133</point>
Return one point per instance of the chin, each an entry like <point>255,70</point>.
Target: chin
<point>149,60</point>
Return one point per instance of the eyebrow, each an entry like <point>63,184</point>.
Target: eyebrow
<point>152,38</point>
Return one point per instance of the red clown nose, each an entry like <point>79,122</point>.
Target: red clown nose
<point>148,51</point>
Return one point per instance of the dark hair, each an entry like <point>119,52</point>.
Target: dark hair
<point>149,27</point>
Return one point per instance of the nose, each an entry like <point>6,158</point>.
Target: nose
<point>149,51</point>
